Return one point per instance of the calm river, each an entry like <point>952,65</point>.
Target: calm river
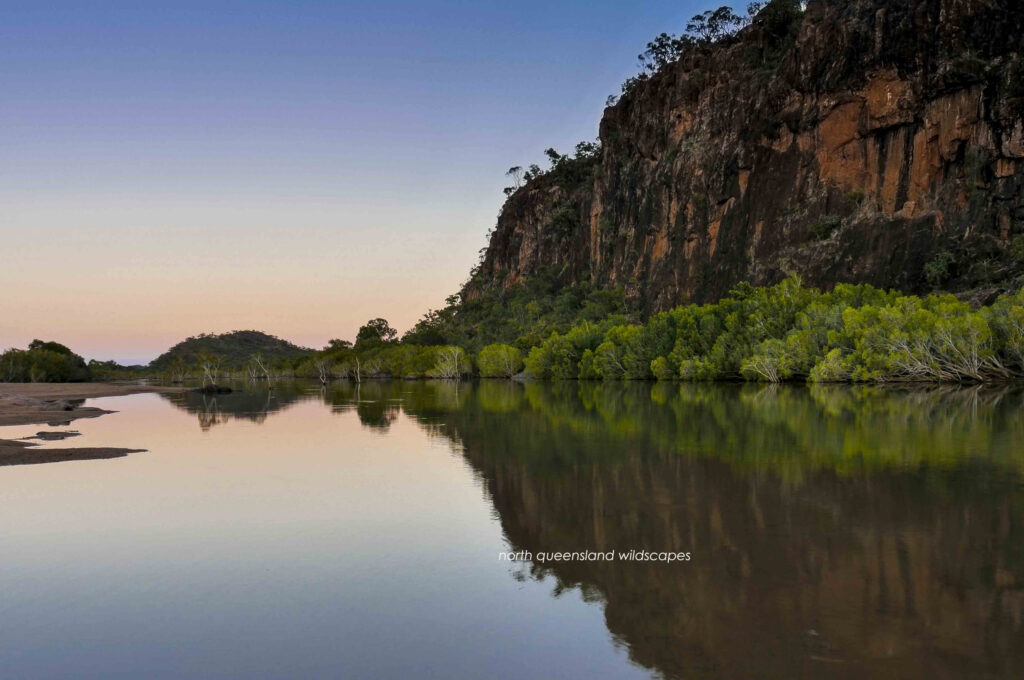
<point>362,532</point>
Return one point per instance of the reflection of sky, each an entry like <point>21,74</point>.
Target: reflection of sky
<point>170,169</point>
<point>307,546</point>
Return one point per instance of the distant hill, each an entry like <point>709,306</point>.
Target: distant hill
<point>235,348</point>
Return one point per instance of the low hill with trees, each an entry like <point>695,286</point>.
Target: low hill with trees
<point>234,350</point>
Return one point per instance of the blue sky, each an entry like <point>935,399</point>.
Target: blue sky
<point>295,167</point>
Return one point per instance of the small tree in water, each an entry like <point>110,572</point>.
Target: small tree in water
<point>209,364</point>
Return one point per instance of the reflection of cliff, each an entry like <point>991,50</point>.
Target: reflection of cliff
<point>865,571</point>
<point>377,403</point>
<point>836,532</point>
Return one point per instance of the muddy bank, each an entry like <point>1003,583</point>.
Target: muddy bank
<point>79,390</point>
<point>60,403</point>
<point>20,452</point>
<point>57,404</point>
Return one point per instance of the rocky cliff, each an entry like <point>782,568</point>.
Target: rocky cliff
<point>876,141</point>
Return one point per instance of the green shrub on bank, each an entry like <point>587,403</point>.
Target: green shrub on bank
<point>785,332</point>
<point>854,333</point>
<point>522,315</point>
<point>559,356</point>
<point>388,360</point>
<point>625,354</point>
<point>499,361</point>
<point>450,363</point>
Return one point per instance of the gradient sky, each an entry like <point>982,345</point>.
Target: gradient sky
<point>294,167</point>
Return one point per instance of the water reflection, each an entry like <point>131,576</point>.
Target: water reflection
<point>835,531</point>
<point>252,401</point>
<point>834,534</point>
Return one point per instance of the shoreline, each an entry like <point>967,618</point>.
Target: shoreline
<point>85,390</point>
<point>57,405</point>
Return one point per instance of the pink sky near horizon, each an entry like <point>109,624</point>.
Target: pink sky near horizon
<point>110,290</point>
<point>298,167</point>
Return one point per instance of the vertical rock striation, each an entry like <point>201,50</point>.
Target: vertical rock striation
<point>874,141</point>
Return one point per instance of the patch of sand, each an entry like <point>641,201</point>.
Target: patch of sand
<point>57,404</point>
<point>21,453</point>
<point>79,390</point>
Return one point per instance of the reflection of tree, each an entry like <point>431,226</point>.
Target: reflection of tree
<point>888,578</point>
<point>374,410</point>
<point>371,400</point>
<point>499,396</point>
<point>835,531</point>
<point>254,402</point>
<point>210,415</point>
<point>378,402</point>
<point>788,431</point>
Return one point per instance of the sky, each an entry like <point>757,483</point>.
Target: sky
<point>170,169</point>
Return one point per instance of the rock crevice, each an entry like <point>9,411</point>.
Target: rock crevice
<point>883,144</point>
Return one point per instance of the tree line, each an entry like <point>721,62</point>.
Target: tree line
<point>790,332</point>
<point>43,362</point>
<point>780,333</point>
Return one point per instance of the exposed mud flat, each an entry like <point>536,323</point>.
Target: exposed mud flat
<point>20,452</point>
<point>55,405</point>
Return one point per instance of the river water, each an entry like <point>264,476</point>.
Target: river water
<point>364,531</point>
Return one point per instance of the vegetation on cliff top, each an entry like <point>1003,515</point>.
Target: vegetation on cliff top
<point>778,19</point>
<point>567,170</point>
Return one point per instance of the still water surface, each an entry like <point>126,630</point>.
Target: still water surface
<point>355,532</point>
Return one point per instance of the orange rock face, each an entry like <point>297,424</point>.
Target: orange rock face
<point>898,122</point>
